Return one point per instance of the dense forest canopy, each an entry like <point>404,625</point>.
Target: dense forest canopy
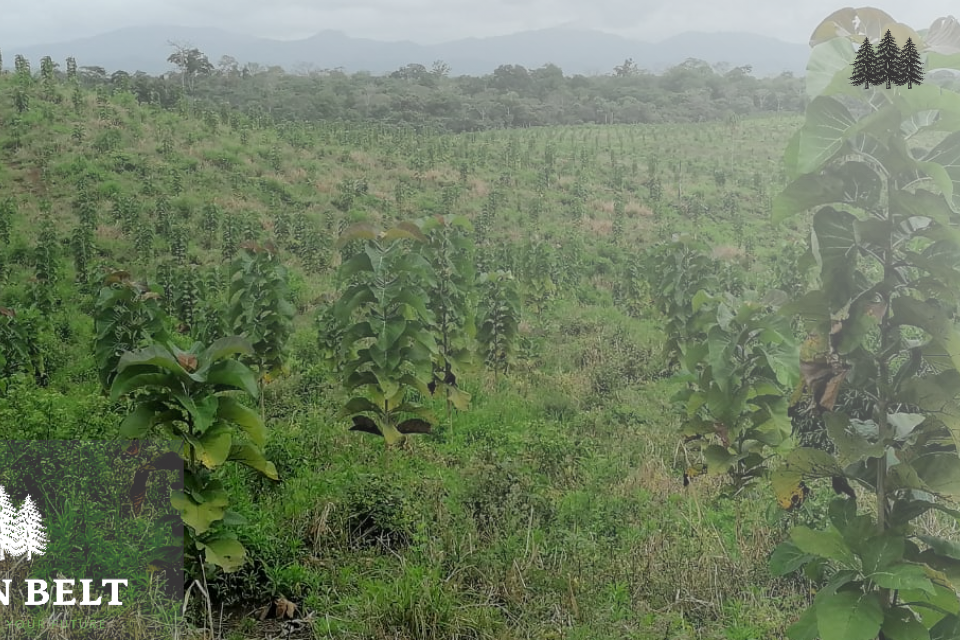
<point>511,96</point>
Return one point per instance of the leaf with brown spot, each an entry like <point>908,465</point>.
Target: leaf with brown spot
<point>829,397</point>
<point>10,313</point>
<point>117,277</point>
<point>188,361</point>
<point>722,432</point>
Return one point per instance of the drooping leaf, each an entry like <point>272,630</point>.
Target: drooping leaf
<point>849,615</point>
<point>826,544</point>
<point>226,553</point>
<point>252,457</point>
<point>787,558</point>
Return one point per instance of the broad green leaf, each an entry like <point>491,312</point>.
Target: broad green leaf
<point>935,607</point>
<point>223,347</point>
<point>904,423</point>
<point>828,60</point>
<point>138,423</point>
<point>899,623</point>
<point>215,446</point>
<point>943,547</point>
<point>842,512</point>
<point>823,133</point>
<point>231,411</point>
<point>946,629</point>
<point>834,246</point>
<point>849,615</point>
<point>930,317</point>
<point>838,25</point>
<point>200,516</point>
<point>812,463</point>
<point>879,552</point>
<point>826,544</point>
<point>718,459</point>
<point>359,404</point>
<point>390,434</point>
<point>903,576</point>
<point>359,231</point>
<point>947,155</point>
<point>806,627</point>
<point>252,457</point>
<point>852,25</point>
<point>940,472</point>
<point>787,558</point>
<point>806,192</point>
<point>936,395</point>
<point>134,378</point>
<point>234,375</point>
<point>459,399</point>
<point>226,553</point>
<point>155,355</point>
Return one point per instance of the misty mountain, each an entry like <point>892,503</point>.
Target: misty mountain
<point>576,51</point>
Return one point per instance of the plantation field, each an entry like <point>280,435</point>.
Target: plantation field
<point>558,493</point>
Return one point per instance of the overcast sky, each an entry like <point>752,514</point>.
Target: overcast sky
<point>31,22</point>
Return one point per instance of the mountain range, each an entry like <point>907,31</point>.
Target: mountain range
<point>576,51</point>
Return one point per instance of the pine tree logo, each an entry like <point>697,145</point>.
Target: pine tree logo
<point>888,64</point>
<point>909,68</point>
<point>864,66</point>
<point>21,531</point>
<point>887,59</point>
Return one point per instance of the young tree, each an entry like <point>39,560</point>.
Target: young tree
<point>909,67</point>
<point>449,251</point>
<point>887,59</point>
<point>34,537</point>
<point>260,308</point>
<point>882,325</point>
<point>391,341</point>
<point>865,66</point>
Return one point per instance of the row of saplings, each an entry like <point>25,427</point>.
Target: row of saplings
<point>409,319</point>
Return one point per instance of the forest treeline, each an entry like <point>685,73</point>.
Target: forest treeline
<point>511,96</point>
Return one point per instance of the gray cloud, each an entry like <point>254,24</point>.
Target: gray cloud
<point>430,21</point>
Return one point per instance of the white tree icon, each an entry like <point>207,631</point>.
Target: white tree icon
<point>33,536</point>
<point>11,536</point>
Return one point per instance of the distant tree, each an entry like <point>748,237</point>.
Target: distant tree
<point>190,61</point>
<point>412,72</point>
<point>886,59</point>
<point>72,69</point>
<point>440,69</point>
<point>628,68</point>
<point>909,67</point>
<point>864,66</point>
<point>228,66</point>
